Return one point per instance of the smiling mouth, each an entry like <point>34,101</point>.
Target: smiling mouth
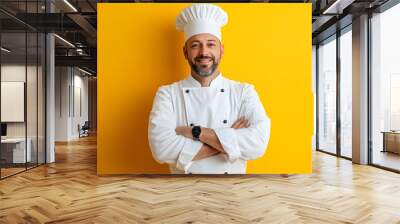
<point>204,61</point>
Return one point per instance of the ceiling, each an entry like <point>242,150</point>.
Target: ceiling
<point>329,16</point>
<point>76,22</point>
<point>72,20</point>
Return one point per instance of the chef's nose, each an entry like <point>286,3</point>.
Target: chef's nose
<point>203,51</point>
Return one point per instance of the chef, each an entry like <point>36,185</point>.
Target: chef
<point>206,123</point>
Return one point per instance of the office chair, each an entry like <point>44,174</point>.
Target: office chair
<point>84,130</point>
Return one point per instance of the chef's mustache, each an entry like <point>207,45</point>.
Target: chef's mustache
<point>204,57</point>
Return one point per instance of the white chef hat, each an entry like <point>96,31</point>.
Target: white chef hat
<point>201,18</point>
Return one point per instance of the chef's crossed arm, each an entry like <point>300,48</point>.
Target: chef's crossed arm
<point>247,138</point>
<point>212,145</point>
<point>247,143</point>
<point>170,147</point>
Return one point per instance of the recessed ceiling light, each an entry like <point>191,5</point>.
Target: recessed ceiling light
<point>84,71</point>
<point>5,50</point>
<point>337,7</point>
<point>64,40</point>
<point>71,6</point>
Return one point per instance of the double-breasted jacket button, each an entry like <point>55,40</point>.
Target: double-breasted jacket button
<point>222,90</point>
<point>187,91</point>
<point>191,124</point>
<point>225,121</point>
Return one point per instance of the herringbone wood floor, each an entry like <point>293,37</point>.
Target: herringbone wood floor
<point>69,191</point>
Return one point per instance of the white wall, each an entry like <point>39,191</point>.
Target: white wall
<point>16,73</point>
<point>33,126</point>
<point>61,103</point>
<point>71,94</point>
<point>81,84</point>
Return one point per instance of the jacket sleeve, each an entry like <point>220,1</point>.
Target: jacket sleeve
<point>247,143</point>
<point>166,146</point>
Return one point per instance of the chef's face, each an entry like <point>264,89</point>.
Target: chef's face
<point>203,52</point>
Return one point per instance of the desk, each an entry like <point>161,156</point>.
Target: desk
<point>391,141</point>
<point>13,150</point>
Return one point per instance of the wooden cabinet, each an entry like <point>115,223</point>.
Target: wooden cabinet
<point>391,142</point>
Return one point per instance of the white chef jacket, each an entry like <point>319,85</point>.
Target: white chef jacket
<point>186,103</point>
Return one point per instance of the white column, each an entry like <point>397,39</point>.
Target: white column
<point>360,90</point>
<point>50,99</point>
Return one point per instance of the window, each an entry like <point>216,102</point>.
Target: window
<point>385,88</point>
<point>327,95</point>
<point>346,93</point>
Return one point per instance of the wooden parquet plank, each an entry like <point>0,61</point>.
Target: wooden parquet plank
<point>69,191</point>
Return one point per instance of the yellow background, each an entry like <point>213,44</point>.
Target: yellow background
<point>268,45</point>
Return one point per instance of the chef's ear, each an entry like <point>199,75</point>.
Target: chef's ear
<point>222,50</point>
<point>185,51</point>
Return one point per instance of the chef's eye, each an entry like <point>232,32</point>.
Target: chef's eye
<point>194,45</point>
<point>211,45</point>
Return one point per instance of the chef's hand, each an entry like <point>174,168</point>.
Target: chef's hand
<point>242,122</point>
<point>205,152</point>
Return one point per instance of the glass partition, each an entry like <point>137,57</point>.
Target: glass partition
<point>13,104</point>
<point>22,88</point>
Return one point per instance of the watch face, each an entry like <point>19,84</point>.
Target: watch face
<point>196,130</point>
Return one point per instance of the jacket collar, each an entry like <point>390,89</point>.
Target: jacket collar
<point>191,82</point>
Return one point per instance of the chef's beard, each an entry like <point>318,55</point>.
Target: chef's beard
<point>204,72</point>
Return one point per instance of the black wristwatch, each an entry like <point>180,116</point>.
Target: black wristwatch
<point>196,131</point>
